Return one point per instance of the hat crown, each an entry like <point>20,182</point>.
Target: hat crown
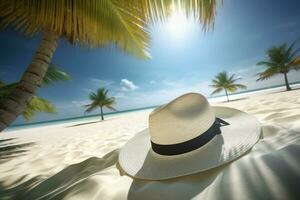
<point>183,119</point>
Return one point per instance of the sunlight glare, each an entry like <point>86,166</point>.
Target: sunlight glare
<point>178,24</point>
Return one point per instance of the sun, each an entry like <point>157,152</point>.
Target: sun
<point>178,24</point>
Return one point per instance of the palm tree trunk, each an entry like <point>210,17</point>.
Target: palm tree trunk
<point>31,80</point>
<point>102,118</point>
<point>286,82</point>
<point>226,94</point>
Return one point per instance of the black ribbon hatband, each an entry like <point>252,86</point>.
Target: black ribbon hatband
<point>192,144</point>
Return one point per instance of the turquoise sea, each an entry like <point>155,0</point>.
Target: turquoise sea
<point>218,98</point>
<point>72,119</point>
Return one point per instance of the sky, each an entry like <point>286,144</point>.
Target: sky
<point>184,59</point>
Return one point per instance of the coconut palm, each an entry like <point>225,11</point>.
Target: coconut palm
<point>36,104</point>
<point>227,83</point>
<point>100,100</point>
<point>280,60</point>
<point>92,23</point>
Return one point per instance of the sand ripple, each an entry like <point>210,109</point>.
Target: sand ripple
<point>79,161</point>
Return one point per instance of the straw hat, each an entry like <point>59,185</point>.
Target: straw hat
<point>188,136</point>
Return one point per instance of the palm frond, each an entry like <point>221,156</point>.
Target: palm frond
<point>268,73</point>
<point>54,74</point>
<point>215,81</point>
<point>265,75</point>
<point>241,86</point>
<point>294,55</point>
<point>231,88</point>
<point>90,107</point>
<point>218,90</point>
<point>295,64</point>
<point>92,96</point>
<point>36,105</point>
<point>95,23</point>
<point>262,77</point>
<point>111,108</point>
<point>290,52</point>
<point>266,63</point>
<point>157,10</point>
<point>215,85</point>
<point>232,79</point>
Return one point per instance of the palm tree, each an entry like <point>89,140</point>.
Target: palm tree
<point>36,104</point>
<point>91,23</point>
<point>280,60</point>
<point>100,100</point>
<point>222,81</point>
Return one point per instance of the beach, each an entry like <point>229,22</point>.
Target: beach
<point>78,160</point>
<point>149,100</point>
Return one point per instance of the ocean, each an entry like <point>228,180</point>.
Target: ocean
<point>219,98</point>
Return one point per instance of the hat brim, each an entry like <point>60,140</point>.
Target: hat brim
<point>138,159</point>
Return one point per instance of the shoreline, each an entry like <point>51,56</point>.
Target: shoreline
<point>91,118</point>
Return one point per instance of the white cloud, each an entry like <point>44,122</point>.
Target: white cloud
<point>152,82</point>
<point>166,93</point>
<point>127,85</point>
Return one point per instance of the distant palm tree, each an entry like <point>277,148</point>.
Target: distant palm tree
<point>37,104</point>
<point>100,100</point>
<point>92,23</point>
<point>280,60</point>
<point>222,81</point>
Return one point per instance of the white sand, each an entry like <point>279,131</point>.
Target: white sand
<point>44,170</point>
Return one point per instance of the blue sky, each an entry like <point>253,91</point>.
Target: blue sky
<point>184,59</point>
